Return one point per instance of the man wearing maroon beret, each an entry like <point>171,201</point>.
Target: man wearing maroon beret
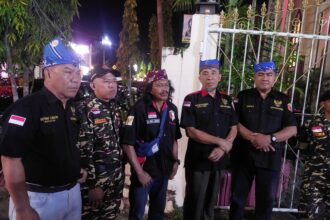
<point>150,142</point>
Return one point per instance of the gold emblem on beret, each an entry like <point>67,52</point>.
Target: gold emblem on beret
<point>54,43</point>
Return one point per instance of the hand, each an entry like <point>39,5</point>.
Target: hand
<point>262,142</point>
<point>96,196</point>
<point>225,145</point>
<point>83,174</point>
<point>144,178</point>
<point>174,170</point>
<point>29,213</point>
<point>216,154</point>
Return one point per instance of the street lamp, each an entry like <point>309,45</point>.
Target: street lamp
<point>106,43</point>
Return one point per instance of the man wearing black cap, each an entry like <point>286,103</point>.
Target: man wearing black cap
<point>315,139</point>
<point>265,121</point>
<point>101,154</point>
<point>39,151</point>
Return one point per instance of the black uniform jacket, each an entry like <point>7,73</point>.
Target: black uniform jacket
<point>262,116</point>
<point>39,130</point>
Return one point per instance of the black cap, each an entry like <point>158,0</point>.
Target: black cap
<point>100,71</point>
<point>325,96</point>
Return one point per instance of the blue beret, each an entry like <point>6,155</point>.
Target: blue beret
<point>55,53</point>
<point>264,66</point>
<point>207,64</point>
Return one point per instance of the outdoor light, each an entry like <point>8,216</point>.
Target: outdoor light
<point>207,6</point>
<point>105,41</point>
<point>84,70</point>
<point>135,67</point>
<point>80,49</point>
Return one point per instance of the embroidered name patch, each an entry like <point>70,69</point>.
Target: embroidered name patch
<point>153,121</point>
<point>49,119</point>
<point>17,120</point>
<point>202,105</point>
<point>100,121</point>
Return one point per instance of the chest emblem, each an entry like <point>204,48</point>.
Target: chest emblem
<point>152,115</point>
<point>171,115</point>
<point>277,103</point>
<point>224,101</point>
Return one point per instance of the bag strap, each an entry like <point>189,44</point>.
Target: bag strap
<point>162,123</point>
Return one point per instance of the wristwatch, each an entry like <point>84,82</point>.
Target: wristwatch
<point>178,161</point>
<point>273,138</point>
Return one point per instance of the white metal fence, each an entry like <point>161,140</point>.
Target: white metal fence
<point>295,36</point>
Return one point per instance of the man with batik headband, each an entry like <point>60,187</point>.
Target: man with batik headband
<point>265,123</point>
<point>210,122</point>
<point>40,158</point>
<point>101,153</point>
<point>150,142</point>
<point>315,140</point>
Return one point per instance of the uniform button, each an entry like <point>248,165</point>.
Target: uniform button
<point>218,125</point>
<point>216,113</point>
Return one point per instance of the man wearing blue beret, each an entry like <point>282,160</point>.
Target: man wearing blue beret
<point>265,121</point>
<point>210,122</point>
<point>40,159</point>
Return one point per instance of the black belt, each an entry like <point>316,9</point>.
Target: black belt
<point>48,189</point>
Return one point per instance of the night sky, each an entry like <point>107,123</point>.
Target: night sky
<point>99,17</point>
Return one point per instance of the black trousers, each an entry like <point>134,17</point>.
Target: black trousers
<point>266,186</point>
<point>201,193</point>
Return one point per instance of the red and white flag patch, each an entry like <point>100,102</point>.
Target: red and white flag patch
<point>152,115</point>
<point>187,104</point>
<point>17,120</point>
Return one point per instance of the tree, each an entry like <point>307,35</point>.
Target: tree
<point>160,27</point>
<point>157,25</point>
<point>154,43</point>
<point>127,52</point>
<point>27,25</point>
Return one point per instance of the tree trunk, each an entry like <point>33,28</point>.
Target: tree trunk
<point>160,27</point>
<point>10,70</point>
<point>26,80</point>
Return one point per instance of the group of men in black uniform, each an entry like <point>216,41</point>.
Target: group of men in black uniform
<point>50,145</point>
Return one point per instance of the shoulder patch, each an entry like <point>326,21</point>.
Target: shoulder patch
<point>129,120</point>
<point>17,120</point>
<point>187,104</point>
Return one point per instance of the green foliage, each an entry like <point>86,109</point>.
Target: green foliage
<point>167,19</point>
<point>182,5</point>
<point>29,24</point>
<point>127,52</point>
<point>154,45</point>
<point>142,70</point>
